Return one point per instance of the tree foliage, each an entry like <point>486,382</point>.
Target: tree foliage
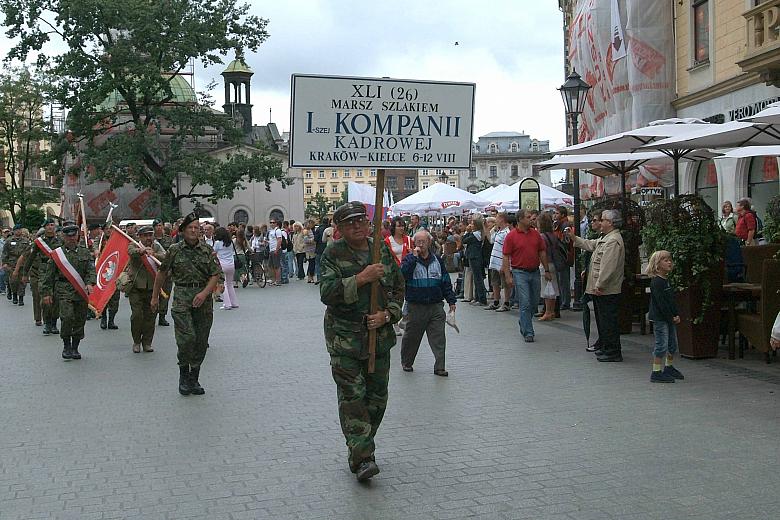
<point>119,77</point>
<point>318,207</point>
<point>24,136</point>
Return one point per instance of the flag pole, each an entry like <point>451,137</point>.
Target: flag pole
<point>83,219</point>
<point>108,220</point>
<point>375,258</point>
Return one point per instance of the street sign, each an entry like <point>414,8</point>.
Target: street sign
<point>349,122</point>
<point>651,192</point>
<point>530,194</point>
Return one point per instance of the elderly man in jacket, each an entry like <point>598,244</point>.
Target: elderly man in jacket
<point>427,284</point>
<point>605,281</point>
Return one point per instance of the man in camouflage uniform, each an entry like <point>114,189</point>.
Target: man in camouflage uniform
<point>195,271</point>
<point>112,307</point>
<point>73,306</point>
<point>164,239</point>
<point>14,248</point>
<point>345,288</point>
<point>34,261</point>
<point>140,293</point>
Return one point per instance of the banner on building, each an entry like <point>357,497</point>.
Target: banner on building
<point>350,122</point>
<point>109,266</point>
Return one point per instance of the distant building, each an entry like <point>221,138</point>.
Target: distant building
<point>428,177</point>
<point>332,182</point>
<point>504,158</point>
<point>401,183</point>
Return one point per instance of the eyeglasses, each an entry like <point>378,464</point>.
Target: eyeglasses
<point>353,221</point>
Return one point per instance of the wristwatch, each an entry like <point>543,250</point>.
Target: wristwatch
<point>387,316</point>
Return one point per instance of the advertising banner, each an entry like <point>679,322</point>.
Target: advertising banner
<point>350,122</point>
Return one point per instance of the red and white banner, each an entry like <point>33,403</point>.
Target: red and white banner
<point>43,246</point>
<point>109,266</point>
<point>150,265</point>
<point>69,272</point>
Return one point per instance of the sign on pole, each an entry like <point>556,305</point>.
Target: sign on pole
<point>530,194</point>
<point>348,122</point>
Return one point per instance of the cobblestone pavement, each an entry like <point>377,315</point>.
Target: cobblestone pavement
<point>518,430</point>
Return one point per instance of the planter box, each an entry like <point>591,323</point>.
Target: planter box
<point>699,341</point>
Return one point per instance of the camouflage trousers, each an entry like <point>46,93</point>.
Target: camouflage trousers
<point>74,316</point>
<point>192,326</point>
<point>162,308</point>
<point>16,285</point>
<point>362,402</point>
<point>113,304</point>
<point>142,319</point>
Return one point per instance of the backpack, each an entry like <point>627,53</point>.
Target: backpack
<point>286,242</point>
<point>759,226</point>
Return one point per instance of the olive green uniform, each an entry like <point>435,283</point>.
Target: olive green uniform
<point>34,260</point>
<point>191,267</point>
<point>14,248</point>
<point>73,307</point>
<point>166,242</point>
<point>362,397</point>
<point>142,319</point>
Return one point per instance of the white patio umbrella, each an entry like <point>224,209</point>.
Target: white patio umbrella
<point>770,115</point>
<point>751,151</point>
<point>508,198</point>
<point>440,198</point>
<point>486,193</point>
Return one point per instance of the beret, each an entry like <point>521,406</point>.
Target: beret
<point>189,219</point>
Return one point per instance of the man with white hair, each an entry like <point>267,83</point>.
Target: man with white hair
<point>605,282</point>
<point>427,284</point>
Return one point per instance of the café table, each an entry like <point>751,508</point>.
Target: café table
<point>736,293</point>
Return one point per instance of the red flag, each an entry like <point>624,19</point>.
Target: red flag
<point>109,266</point>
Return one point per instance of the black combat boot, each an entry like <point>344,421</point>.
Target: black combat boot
<point>46,328</point>
<point>74,348</point>
<point>66,349</point>
<point>8,293</point>
<point>162,321</point>
<point>21,300</point>
<point>111,325</point>
<point>103,321</point>
<point>195,387</point>
<point>15,299</point>
<point>184,380</point>
<point>53,327</point>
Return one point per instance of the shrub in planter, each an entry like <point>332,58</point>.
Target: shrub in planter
<point>772,220</point>
<point>686,227</point>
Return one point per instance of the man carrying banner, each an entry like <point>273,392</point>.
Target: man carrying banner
<point>195,271</point>
<point>143,271</point>
<point>69,277</point>
<point>112,308</point>
<point>34,261</point>
<point>165,240</point>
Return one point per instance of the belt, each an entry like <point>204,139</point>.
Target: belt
<point>191,285</point>
<point>535,269</point>
<point>353,318</point>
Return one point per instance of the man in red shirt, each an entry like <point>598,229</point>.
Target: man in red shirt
<point>524,250</point>
<point>746,225</point>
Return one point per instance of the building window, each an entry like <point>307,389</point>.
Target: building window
<point>534,145</point>
<point>322,189</point>
<point>372,173</point>
<point>334,189</point>
<point>392,183</point>
<point>408,183</point>
<point>346,174</point>
<point>424,172</point>
<point>452,172</point>
<point>308,174</point>
<point>762,183</point>
<point>321,174</point>
<point>241,216</point>
<point>308,190</point>
<point>334,174</point>
<point>359,173</point>
<point>707,183</point>
<point>493,148</point>
<point>701,31</point>
<point>424,184</point>
<point>513,148</point>
<point>493,171</point>
<point>439,172</point>
<point>514,170</point>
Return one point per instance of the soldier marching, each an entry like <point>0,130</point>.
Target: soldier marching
<point>142,272</point>
<point>33,263</point>
<point>14,248</point>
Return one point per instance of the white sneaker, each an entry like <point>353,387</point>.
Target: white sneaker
<point>223,308</point>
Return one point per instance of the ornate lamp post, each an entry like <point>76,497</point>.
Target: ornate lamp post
<point>574,93</point>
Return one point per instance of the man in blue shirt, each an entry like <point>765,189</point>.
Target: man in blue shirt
<point>427,284</point>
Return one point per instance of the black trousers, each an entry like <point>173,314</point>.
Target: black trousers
<point>607,308</point>
<point>299,259</point>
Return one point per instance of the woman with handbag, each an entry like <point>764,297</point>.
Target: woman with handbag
<point>223,246</point>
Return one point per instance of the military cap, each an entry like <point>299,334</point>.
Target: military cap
<point>156,222</point>
<point>349,210</point>
<point>146,229</point>
<point>48,221</point>
<point>92,227</point>
<point>189,219</point>
<point>70,230</point>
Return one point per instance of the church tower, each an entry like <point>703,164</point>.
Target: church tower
<point>238,104</point>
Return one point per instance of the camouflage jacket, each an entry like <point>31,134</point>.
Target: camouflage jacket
<point>53,282</point>
<point>165,241</point>
<point>13,249</point>
<point>191,265</point>
<point>34,259</point>
<point>139,274</point>
<point>346,333</point>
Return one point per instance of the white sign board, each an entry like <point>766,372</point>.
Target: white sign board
<point>349,122</point>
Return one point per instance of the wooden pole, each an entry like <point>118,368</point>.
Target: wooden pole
<point>375,258</point>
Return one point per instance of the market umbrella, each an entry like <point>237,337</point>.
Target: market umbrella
<point>487,192</point>
<point>440,198</point>
<point>508,198</point>
<point>770,115</point>
<point>751,151</point>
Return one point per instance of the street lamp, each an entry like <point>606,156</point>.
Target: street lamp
<point>574,93</point>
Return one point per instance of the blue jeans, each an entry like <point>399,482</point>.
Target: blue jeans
<point>665,338</point>
<point>528,287</point>
<point>283,266</point>
<point>2,280</point>
<point>317,259</point>
<point>290,263</point>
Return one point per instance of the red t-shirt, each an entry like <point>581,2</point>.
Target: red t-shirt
<point>523,248</point>
<point>746,223</point>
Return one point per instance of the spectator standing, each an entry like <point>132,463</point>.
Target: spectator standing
<point>524,250</point>
<point>208,233</point>
<point>595,226</point>
<point>427,285</point>
<point>605,282</point>
<point>310,248</point>
<point>663,313</point>
<point>555,260</point>
<point>289,251</point>
<point>223,246</point>
<point>399,243</point>
<point>497,281</point>
<point>284,268</point>
<point>472,239</point>
<point>2,268</point>
<point>298,249</point>
<point>274,251</point>
<point>320,245</point>
<point>414,225</point>
<point>241,247</point>
<point>561,227</point>
<point>728,220</point>
<point>746,223</point>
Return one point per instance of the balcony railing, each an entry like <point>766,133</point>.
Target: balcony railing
<point>762,53</point>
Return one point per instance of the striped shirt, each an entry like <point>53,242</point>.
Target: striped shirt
<point>497,254</point>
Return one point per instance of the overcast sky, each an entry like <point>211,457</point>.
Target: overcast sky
<point>512,50</point>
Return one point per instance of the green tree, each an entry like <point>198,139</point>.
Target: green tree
<point>343,199</point>
<point>120,79</point>
<point>317,207</point>
<point>24,135</point>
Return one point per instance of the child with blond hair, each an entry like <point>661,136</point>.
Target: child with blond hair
<point>663,314</point>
